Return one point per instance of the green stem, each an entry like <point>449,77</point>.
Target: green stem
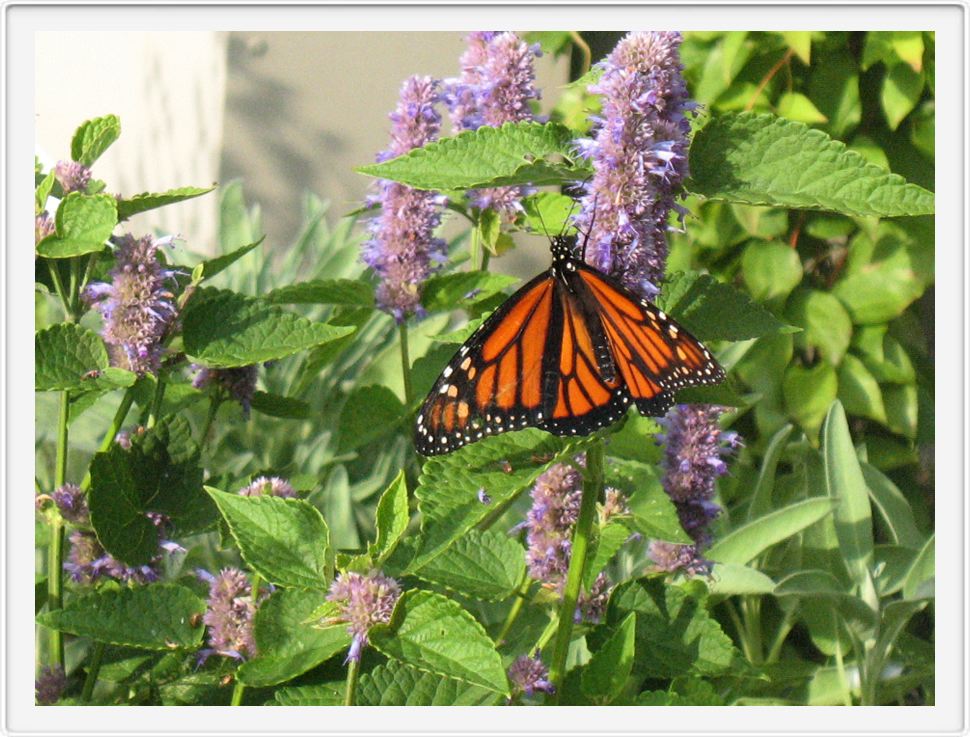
<point>592,487</point>
<point>237,693</point>
<point>783,629</point>
<point>156,402</point>
<point>840,663</point>
<point>97,653</point>
<point>474,246</point>
<point>486,255</point>
<point>751,610</point>
<point>741,630</point>
<point>59,288</point>
<point>214,403</point>
<point>520,597</point>
<point>546,635</point>
<point>74,290</point>
<point>584,50</point>
<point>353,668</point>
<point>406,366</point>
<point>55,563</point>
<point>116,423</point>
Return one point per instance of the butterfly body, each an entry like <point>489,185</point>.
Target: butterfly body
<point>568,353</point>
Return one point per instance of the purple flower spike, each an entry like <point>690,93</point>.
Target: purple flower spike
<point>639,157</point>
<point>136,306</point>
<point>43,226</point>
<point>269,486</point>
<point>529,675</point>
<point>496,86</point>
<point>365,600</point>
<point>73,176</point>
<point>239,383</point>
<point>555,507</point>
<point>49,685</point>
<point>229,615</point>
<point>72,504</point>
<point>402,248</point>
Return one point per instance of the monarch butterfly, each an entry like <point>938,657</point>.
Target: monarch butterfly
<point>567,353</point>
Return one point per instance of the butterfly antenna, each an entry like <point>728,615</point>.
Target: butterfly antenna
<point>544,228</point>
<point>592,222</point>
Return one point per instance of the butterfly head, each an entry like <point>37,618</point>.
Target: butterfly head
<point>562,248</point>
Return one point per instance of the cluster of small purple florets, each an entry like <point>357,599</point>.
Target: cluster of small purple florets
<point>496,86</point>
<point>364,600</point>
<point>269,486</point>
<point>239,383</point>
<point>229,614</point>
<point>49,685</point>
<point>529,675</point>
<point>693,460</point>
<point>136,305</point>
<point>402,248</point>
<point>639,157</point>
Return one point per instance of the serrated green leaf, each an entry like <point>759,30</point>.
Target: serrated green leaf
<point>515,153</point>
<point>765,160</point>
<point>145,201</point>
<point>273,405</point>
<point>448,487</point>
<point>346,292</point>
<point>286,646</point>
<point>747,542</point>
<point>63,354</point>
<point>711,310</point>
<point>435,634</point>
<point>157,617</point>
<point>82,224</point>
<point>902,88</point>
<point>604,546</point>
<point>771,270</point>
<point>370,413</point>
<point>653,513</point>
<point>319,694</point>
<point>391,518</point>
<point>450,291</point>
<point>222,329</point>
<point>483,565</point>
<point>675,635</point>
<point>93,137</point>
<point>117,513</point>
<point>847,486</point>
<point>733,579</point>
<point>220,263</point>
<point>610,666</point>
<point>825,323</point>
<point>398,684</point>
<point>286,541</point>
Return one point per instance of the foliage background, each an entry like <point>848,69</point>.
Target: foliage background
<point>859,288</point>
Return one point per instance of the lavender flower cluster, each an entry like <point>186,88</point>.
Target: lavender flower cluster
<point>639,157</point>
<point>529,675</point>
<point>402,248</point>
<point>239,383</point>
<point>136,306</point>
<point>49,685</point>
<point>229,615</point>
<point>496,86</point>
<point>269,486</point>
<point>364,600</point>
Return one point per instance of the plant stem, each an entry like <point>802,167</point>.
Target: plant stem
<point>97,653</point>
<point>214,403</point>
<point>513,614</point>
<point>116,423</point>
<point>486,255</point>
<point>783,629</point>
<point>741,630</point>
<point>584,50</point>
<point>55,562</point>
<point>156,402</point>
<point>237,693</point>
<point>74,290</point>
<point>352,669</point>
<point>406,365</point>
<point>751,610</point>
<point>59,288</point>
<point>839,662</point>
<point>592,487</point>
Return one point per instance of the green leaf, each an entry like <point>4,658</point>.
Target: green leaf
<point>483,565</point>
<point>796,106</point>
<point>449,291</point>
<point>463,333</point>
<point>63,354</point>
<point>448,487</point>
<point>711,310</point>
<point>93,137</point>
<point>286,541</point>
<point>820,591</point>
<point>117,511</point>
<point>877,48</point>
<point>222,329</point>
<point>392,518</point>
<point>732,579</point>
<point>834,88</point>
<point>675,635</point>
<point>43,191</point>
<point>548,213</point>
<point>800,42</point>
<point>515,153</point>
<point>319,694</point>
<point>286,646</point>
<point>156,617</point>
<point>145,201</point>
<point>808,394</point>
<point>908,46</point>
<point>611,665</point>
<point>902,406</point>
<point>846,485</point>
<point>434,634</point>
<point>765,485</point>
<point>771,270</point>
<point>759,222</point>
<point>370,413</point>
<point>902,88</point>
<point>747,542</point>
<point>825,324</point>
<point>604,546</point>
<point>893,507</point>
<point>273,405</point>
<point>345,292</point>
<point>920,577</point>
<point>859,391</point>
<point>398,684</point>
<point>761,159</point>
<point>653,513</point>
<point>220,263</point>
<point>83,223</point>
